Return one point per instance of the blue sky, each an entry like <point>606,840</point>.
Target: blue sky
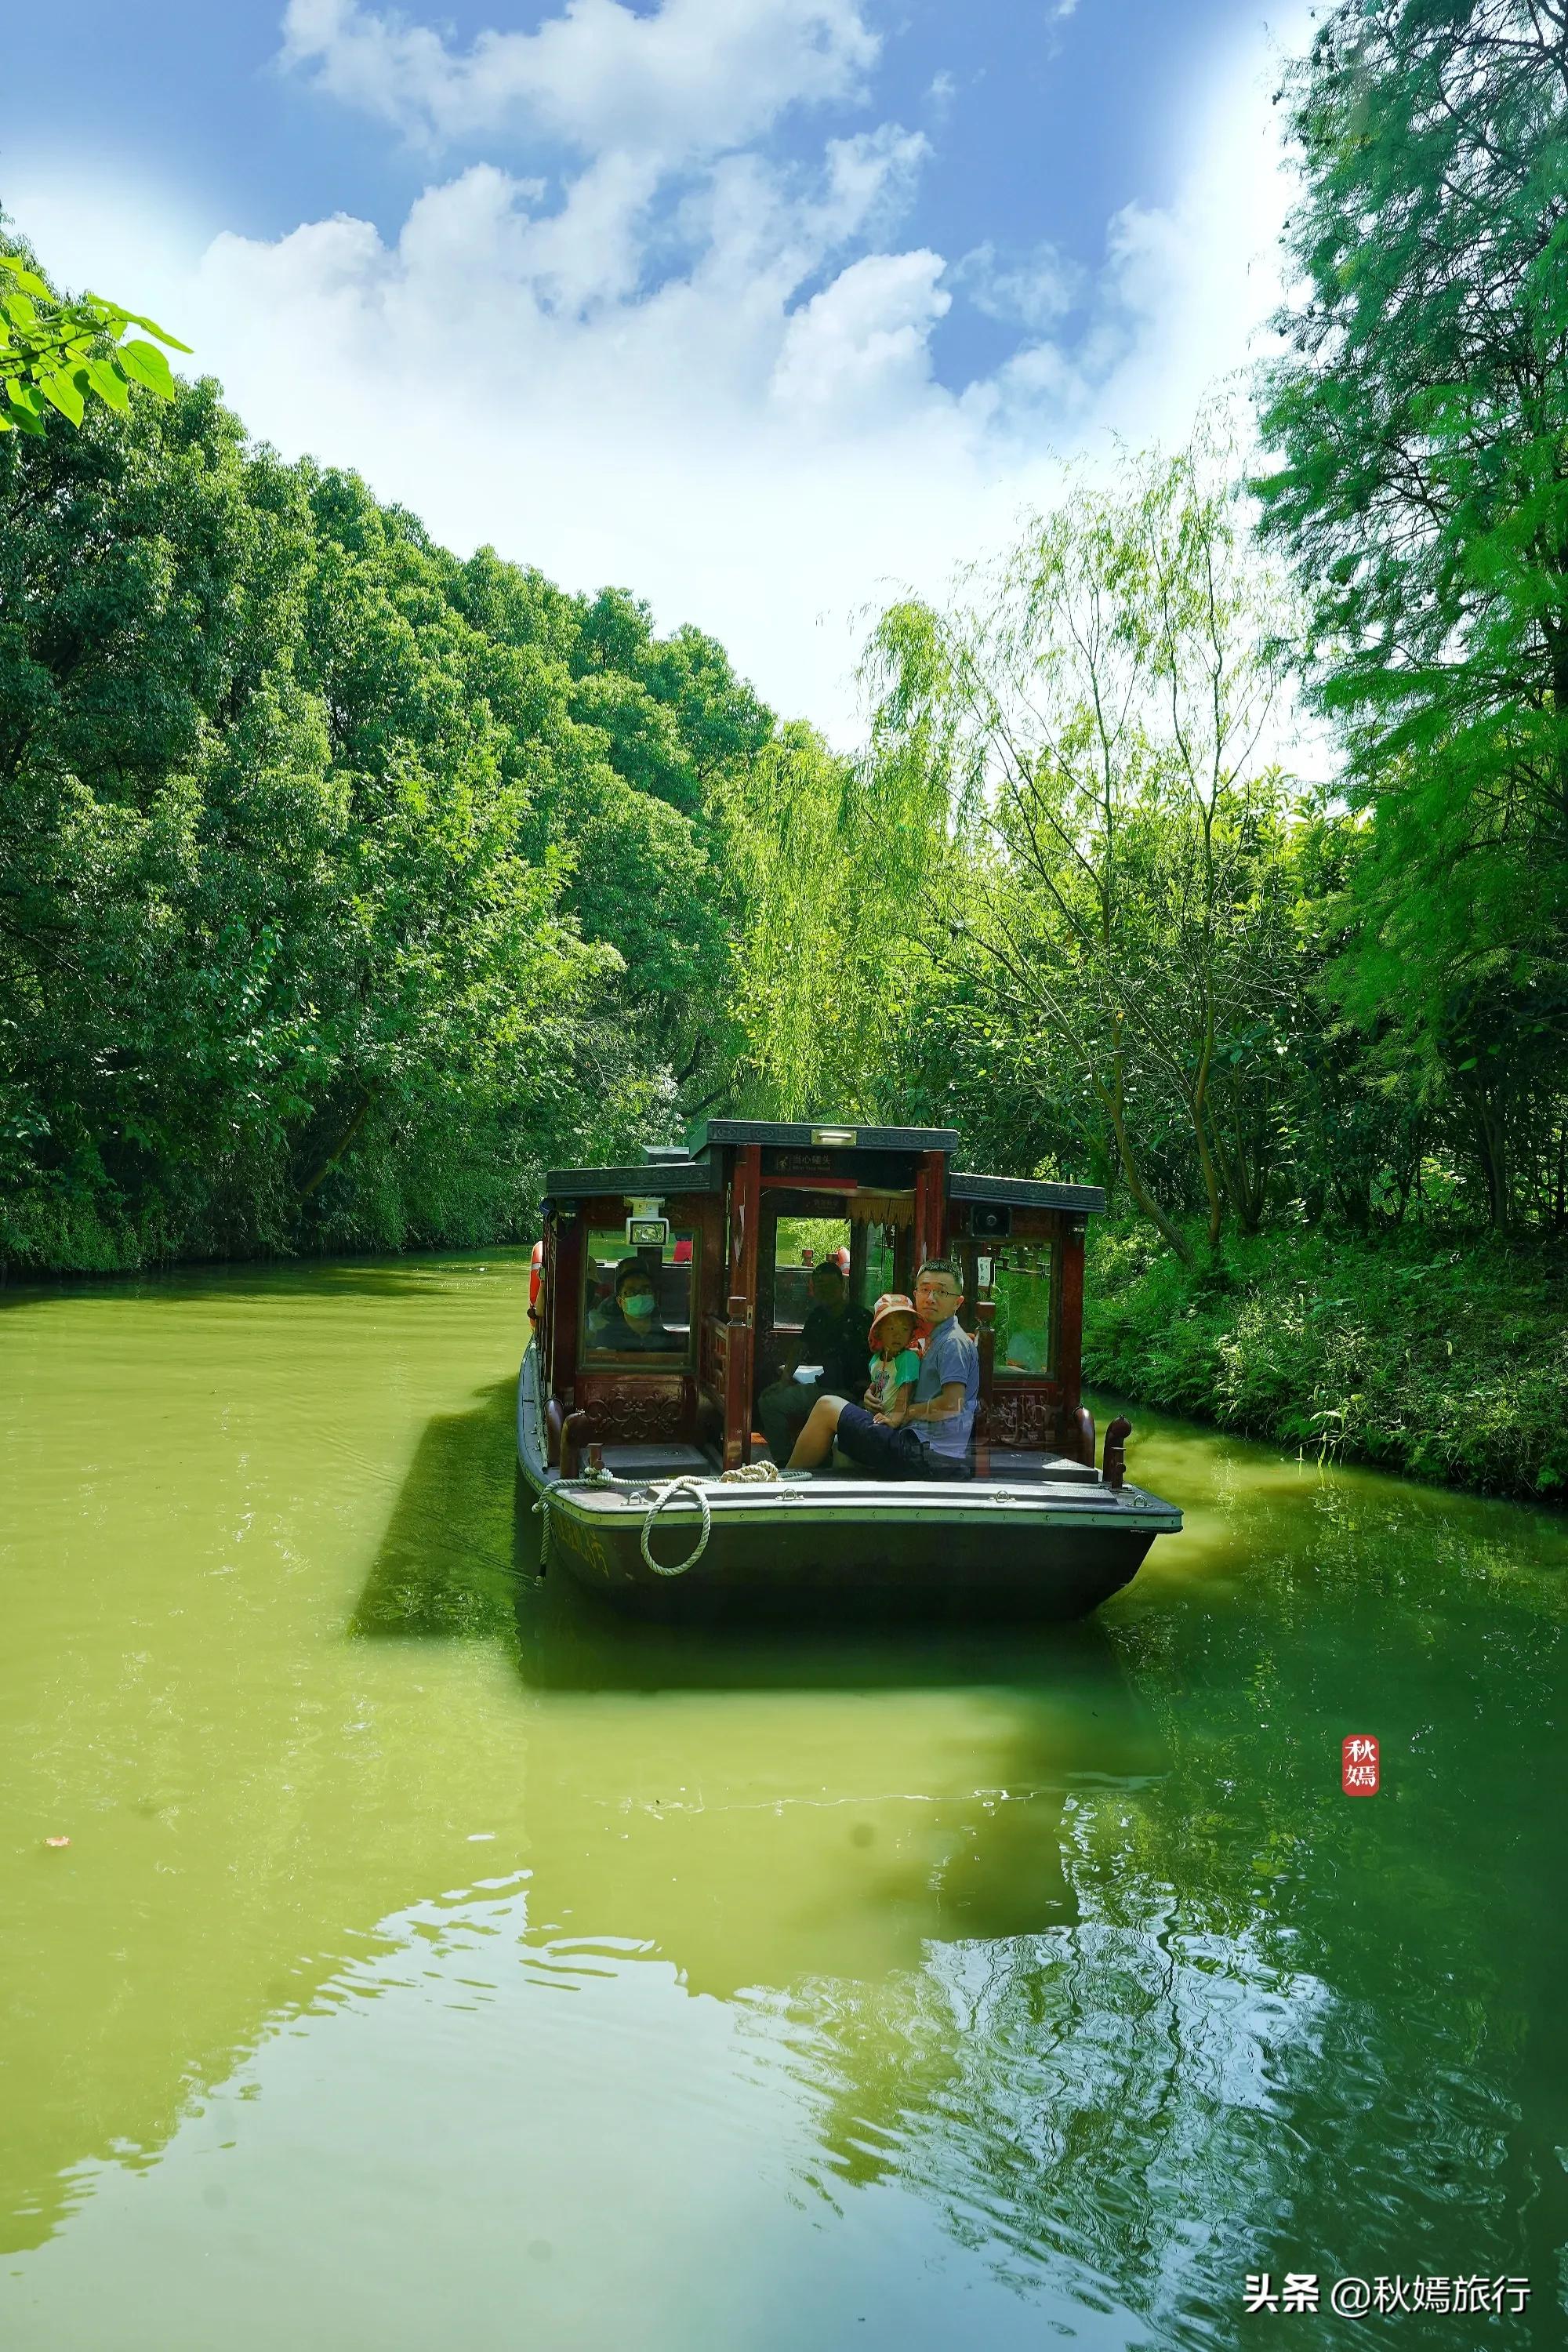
<point>758,306</point>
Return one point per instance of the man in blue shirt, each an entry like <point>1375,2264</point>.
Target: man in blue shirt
<point>933,1440</point>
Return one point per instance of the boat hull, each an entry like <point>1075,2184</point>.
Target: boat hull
<point>847,1548</point>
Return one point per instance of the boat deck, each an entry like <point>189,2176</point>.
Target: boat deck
<point>1017,1467</point>
<point>858,1500</point>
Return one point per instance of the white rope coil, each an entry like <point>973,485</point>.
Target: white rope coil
<point>753,1474</point>
<point>667,1493</point>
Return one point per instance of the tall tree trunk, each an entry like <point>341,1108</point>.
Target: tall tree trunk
<point>1112,1099</point>
<point>325,1168</point>
<point>1197,1107</point>
<point>1488,1127</point>
<point>1147,1204</point>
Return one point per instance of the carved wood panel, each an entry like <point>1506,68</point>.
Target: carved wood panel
<point>636,1406</point>
<point>1027,1417</point>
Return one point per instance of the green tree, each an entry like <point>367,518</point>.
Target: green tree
<point>1095,713</point>
<point>682,741</point>
<point>331,908</point>
<point>1420,418</point>
<point>833,865</point>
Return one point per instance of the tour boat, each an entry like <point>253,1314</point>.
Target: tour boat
<point>643,1447</point>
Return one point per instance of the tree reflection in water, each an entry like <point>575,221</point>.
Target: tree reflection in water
<point>1142,2003</point>
<point>1278,2030</point>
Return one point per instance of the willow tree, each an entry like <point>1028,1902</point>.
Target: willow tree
<point>830,862</point>
<point>1097,706</point>
<point>1420,420</point>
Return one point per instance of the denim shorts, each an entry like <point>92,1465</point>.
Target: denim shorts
<point>891,1453</point>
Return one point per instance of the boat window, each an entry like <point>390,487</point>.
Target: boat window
<point>1021,1286</point>
<point>801,1244</point>
<point>881,1271</point>
<point>637,1303</point>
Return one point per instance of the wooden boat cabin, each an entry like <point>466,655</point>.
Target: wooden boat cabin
<point>728,1234</point>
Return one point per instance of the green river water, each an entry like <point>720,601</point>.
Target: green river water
<point>434,1965</point>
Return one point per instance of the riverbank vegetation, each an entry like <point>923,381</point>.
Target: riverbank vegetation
<point>344,883</point>
<point>1443,1355</point>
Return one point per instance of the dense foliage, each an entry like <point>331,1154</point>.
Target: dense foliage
<point>1420,419</point>
<point>1442,1356</point>
<point>342,883</point>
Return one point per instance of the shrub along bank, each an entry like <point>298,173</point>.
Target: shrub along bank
<point>1443,1357</point>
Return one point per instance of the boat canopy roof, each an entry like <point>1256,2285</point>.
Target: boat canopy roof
<point>673,1168</point>
<point>820,1135</point>
<point>1028,1192</point>
<point>648,1178</point>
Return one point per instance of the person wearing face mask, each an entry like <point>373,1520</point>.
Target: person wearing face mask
<point>631,1319</point>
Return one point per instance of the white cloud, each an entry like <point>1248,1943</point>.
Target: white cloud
<point>861,348</point>
<point>708,378</point>
<point>695,78</point>
<point>1029,289</point>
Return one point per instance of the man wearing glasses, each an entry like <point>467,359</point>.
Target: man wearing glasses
<point>933,1439</point>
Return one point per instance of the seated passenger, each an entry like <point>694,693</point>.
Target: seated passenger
<point>933,1440</point>
<point>630,1320</point>
<point>895,1368</point>
<point>834,1338</point>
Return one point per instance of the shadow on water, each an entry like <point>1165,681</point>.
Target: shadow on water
<point>1004,1722</point>
<point>459,1535</point>
<point>459,1561</point>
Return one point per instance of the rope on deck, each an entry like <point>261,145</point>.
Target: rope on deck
<point>751,1473</point>
<point>667,1493</point>
<point>541,1511</point>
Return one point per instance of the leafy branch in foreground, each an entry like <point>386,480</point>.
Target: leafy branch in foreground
<point>54,352</point>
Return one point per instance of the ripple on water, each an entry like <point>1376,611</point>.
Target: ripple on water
<point>996,1989</point>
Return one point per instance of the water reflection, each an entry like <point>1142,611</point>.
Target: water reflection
<point>985,1989</point>
<point>767,1765</point>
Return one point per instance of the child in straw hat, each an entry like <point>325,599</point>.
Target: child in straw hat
<point>894,1370</point>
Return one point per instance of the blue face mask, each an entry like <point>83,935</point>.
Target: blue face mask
<point>638,1305</point>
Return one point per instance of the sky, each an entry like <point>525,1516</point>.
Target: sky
<point>765,309</point>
